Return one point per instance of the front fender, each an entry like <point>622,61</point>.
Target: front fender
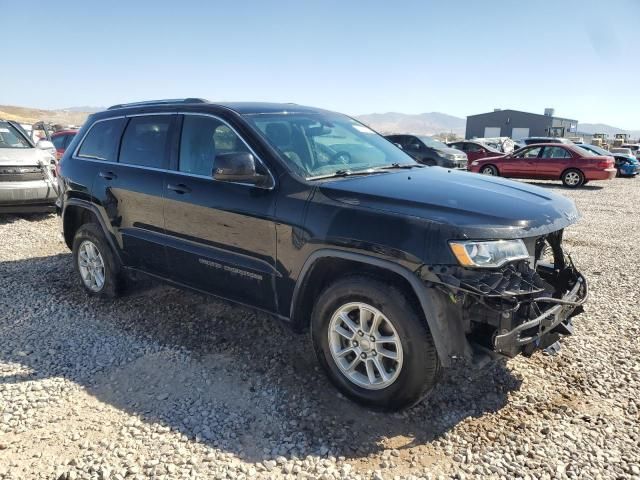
<point>443,319</point>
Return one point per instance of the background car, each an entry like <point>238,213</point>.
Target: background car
<point>627,165</point>
<point>567,162</point>
<point>595,149</point>
<point>537,140</point>
<point>429,151</point>
<point>61,140</point>
<point>23,185</point>
<point>634,147</point>
<point>622,151</point>
<point>475,150</point>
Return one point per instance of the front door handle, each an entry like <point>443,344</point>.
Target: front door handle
<point>180,188</point>
<point>108,175</point>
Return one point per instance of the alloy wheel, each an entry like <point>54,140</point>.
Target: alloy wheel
<point>572,178</point>
<point>91,266</point>
<point>365,346</point>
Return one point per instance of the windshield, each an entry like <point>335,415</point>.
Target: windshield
<point>319,144</point>
<point>430,142</point>
<point>11,138</point>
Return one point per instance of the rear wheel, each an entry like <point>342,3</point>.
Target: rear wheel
<point>489,170</point>
<point>573,178</point>
<point>95,263</point>
<point>373,344</point>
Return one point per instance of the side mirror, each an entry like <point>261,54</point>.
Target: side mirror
<point>398,145</point>
<point>47,146</point>
<point>235,167</point>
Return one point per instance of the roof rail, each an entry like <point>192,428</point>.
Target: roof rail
<point>158,102</point>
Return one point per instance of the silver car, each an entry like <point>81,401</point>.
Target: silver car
<point>25,185</point>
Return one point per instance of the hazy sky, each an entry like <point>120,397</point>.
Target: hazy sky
<point>353,56</point>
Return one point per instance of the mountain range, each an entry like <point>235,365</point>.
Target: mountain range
<point>431,123</point>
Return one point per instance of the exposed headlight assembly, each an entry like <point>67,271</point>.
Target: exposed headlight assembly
<point>488,254</point>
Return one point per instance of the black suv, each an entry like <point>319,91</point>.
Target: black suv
<point>396,269</point>
<point>429,151</point>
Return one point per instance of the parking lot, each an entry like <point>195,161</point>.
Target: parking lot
<point>168,384</point>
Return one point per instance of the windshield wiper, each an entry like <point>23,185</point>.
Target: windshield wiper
<point>346,173</point>
<point>404,166</point>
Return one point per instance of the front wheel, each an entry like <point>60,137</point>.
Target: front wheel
<point>373,344</point>
<point>489,170</point>
<point>573,178</point>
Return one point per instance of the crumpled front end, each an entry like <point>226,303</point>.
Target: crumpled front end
<point>521,307</point>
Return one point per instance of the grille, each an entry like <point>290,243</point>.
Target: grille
<point>20,174</point>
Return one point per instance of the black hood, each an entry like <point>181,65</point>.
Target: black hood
<point>469,204</point>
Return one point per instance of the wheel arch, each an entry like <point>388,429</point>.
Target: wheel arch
<point>326,265</point>
<point>490,165</point>
<point>577,169</point>
<point>76,213</point>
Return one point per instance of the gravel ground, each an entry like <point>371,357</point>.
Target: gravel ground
<point>168,384</point>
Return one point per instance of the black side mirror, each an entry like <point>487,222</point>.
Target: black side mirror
<point>235,167</point>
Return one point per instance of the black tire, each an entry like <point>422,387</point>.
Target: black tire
<point>113,281</point>
<point>572,178</point>
<point>490,170</point>
<point>420,368</point>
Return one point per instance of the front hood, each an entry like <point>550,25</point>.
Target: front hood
<point>469,205</point>
<point>22,156</point>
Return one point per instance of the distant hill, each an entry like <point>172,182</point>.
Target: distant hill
<point>608,129</point>
<point>421,124</point>
<point>69,116</point>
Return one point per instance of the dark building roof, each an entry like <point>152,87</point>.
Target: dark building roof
<point>521,112</point>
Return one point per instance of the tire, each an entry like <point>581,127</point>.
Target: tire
<point>489,170</point>
<point>573,178</point>
<point>410,376</point>
<point>89,237</point>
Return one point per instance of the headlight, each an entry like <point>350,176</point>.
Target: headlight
<point>475,162</point>
<point>449,156</point>
<point>488,253</point>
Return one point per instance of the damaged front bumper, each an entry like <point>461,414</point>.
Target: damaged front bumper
<point>522,307</point>
<point>545,329</point>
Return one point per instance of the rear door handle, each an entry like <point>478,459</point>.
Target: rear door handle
<point>108,175</point>
<point>180,188</point>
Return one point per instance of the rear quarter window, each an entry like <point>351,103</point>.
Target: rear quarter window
<point>101,142</point>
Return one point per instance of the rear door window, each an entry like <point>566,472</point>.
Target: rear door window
<point>555,152</point>
<point>144,142</point>
<point>532,152</point>
<point>101,143</point>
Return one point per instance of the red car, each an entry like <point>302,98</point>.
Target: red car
<point>475,150</point>
<point>549,161</point>
<point>61,139</point>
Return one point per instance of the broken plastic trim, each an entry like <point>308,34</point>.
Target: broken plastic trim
<point>560,312</point>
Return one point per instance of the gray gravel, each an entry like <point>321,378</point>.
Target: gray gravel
<point>168,384</point>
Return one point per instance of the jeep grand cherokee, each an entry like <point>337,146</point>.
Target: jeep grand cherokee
<point>395,268</point>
